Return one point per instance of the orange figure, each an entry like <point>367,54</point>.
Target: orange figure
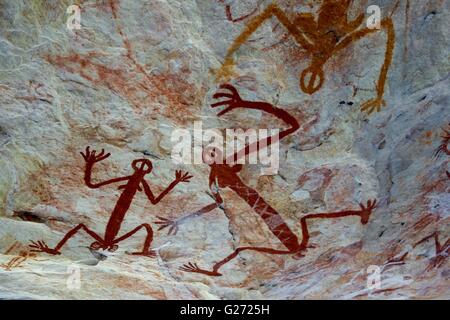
<point>322,39</point>
<point>442,252</point>
<point>226,176</point>
<point>17,261</point>
<point>135,182</point>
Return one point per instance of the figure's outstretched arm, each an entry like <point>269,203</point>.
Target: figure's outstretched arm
<point>179,177</point>
<point>235,101</point>
<point>253,25</point>
<point>174,224</point>
<point>387,24</point>
<point>91,158</point>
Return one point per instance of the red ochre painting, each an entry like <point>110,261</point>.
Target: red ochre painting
<point>107,179</point>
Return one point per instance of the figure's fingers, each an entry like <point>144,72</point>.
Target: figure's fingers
<point>221,103</point>
<point>230,87</point>
<point>222,95</point>
<point>162,227</point>
<point>362,207</point>
<point>104,157</point>
<point>186,267</point>
<point>162,218</point>
<point>42,244</point>
<point>171,230</point>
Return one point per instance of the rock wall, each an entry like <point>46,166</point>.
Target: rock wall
<point>138,70</point>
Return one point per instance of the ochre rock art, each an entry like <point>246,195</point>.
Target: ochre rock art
<point>133,183</point>
<point>322,39</point>
<point>223,175</point>
<point>229,14</point>
<point>442,251</point>
<point>138,70</point>
<point>21,256</point>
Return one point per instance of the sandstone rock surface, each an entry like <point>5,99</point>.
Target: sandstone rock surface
<point>138,70</point>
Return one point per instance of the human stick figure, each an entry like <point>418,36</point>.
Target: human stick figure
<point>134,183</point>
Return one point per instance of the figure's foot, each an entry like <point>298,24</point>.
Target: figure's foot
<point>149,253</point>
<point>193,267</point>
<point>41,246</point>
<point>373,105</point>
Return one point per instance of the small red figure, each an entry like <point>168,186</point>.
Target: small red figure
<point>135,182</point>
<point>225,175</point>
<point>442,252</point>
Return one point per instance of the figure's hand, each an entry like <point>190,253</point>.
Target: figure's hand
<point>182,177</point>
<point>373,105</point>
<point>91,156</point>
<point>367,211</point>
<point>164,223</point>
<point>41,246</point>
<point>233,102</point>
<point>193,267</point>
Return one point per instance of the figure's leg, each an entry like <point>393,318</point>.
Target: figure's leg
<point>271,11</point>
<point>387,24</point>
<point>41,246</point>
<point>148,240</point>
<point>364,214</point>
<point>193,267</point>
<point>174,224</point>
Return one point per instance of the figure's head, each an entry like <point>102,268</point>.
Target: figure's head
<point>212,155</point>
<point>143,166</point>
<point>311,79</point>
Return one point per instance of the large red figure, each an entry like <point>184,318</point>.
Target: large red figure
<point>134,183</point>
<point>226,176</point>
